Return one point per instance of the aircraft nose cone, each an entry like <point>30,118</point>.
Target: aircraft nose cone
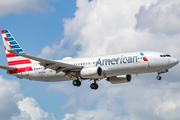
<point>177,61</point>
<point>174,61</point>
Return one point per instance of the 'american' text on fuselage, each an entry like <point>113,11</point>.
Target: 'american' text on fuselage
<point>113,61</point>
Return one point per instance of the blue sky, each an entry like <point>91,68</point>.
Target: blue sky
<point>55,29</point>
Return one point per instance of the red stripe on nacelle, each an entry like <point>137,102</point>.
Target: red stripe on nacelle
<point>6,38</point>
<point>145,59</point>
<point>18,62</point>
<point>8,55</point>
<point>5,47</point>
<point>19,70</point>
<point>2,32</point>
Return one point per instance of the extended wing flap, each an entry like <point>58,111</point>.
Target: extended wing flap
<point>7,68</point>
<point>48,63</point>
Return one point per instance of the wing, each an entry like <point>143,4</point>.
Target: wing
<point>57,66</point>
<point>7,68</point>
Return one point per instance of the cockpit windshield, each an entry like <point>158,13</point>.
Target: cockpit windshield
<point>165,55</point>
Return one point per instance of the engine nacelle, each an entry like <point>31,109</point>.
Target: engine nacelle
<point>119,79</point>
<point>91,72</point>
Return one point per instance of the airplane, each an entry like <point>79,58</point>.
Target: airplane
<point>116,68</point>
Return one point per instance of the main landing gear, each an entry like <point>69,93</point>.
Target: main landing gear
<point>77,82</point>
<point>94,85</point>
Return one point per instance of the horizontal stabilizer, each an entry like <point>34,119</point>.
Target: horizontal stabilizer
<point>7,68</point>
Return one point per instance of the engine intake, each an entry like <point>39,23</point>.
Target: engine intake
<point>91,72</point>
<point>119,79</point>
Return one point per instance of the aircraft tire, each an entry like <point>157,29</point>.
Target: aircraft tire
<point>158,77</point>
<point>79,83</point>
<point>76,83</point>
<point>94,86</point>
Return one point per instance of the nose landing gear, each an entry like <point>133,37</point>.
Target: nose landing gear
<point>160,72</point>
<point>158,77</point>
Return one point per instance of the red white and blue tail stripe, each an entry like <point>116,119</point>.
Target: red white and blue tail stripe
<point>14,60</point>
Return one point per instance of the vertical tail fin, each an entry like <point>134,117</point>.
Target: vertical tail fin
<point>11,44</point>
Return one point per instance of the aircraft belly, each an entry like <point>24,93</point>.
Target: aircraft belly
<point>45,75</point>
<point>118,70</point>
<point>48,78</point>
<point>59,77</point>
<point>128,69</point>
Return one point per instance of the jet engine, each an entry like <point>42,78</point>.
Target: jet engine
<point>119,79</point>
<point>91,72</point>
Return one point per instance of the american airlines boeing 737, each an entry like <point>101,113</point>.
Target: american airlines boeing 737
<point>116,68</point>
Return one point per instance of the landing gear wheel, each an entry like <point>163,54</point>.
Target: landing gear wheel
<point>76,83</point>
<point>79,83</point>
<point>158,77</point>
<point>94,86</point>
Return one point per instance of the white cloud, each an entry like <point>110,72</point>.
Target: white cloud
<point>30,109</point>
<point>9,95</point>
<point>56,49</point>
<point>46,52</point>
<point>92,115</point>
<point>14,106</point>
<point>21,6</point>
<point>104,27</point>
<point>162,17</point>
